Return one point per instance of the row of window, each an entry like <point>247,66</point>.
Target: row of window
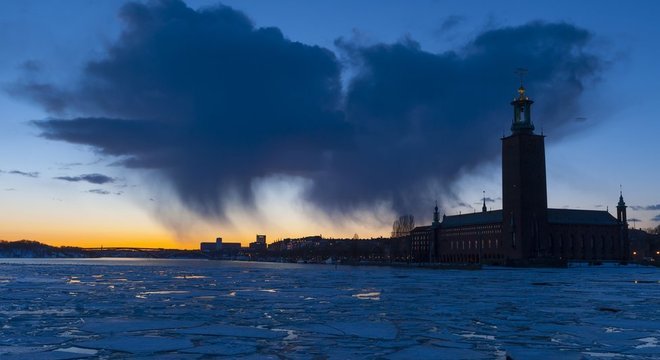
<point>474,244</point>
<point>472,258</point>
<point>471,232</point>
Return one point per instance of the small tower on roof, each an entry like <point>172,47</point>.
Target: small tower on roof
<point>483,208</point>
<point>522,109</point>
<point>621,209</point>
<point>436,215</point>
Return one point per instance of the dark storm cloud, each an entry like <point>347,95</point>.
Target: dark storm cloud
<point>645,207</point>
<point>30,66</point>
<point>99,191</point>
<point>656,218</point>
<point>634,220</point>
<point>212,102</point>
<point>104,192</point>
<point>50,97</point>
<point>98,179</point>
<point>451,22</point>
<point>419,115</point>
<point>209,100</point>
<point>32,174</point>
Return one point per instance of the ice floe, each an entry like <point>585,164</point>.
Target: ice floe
<point>174,309</point>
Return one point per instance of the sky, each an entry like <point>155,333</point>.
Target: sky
<point>167,123</point>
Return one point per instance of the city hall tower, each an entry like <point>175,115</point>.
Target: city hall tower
<point>524,190</point>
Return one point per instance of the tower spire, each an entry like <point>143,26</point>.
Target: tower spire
<point>521,72</point>
<point>621,202</point>
<point>436,215</point>
<point>483,208</point>
<point>621,208</point>
<point>522,117</point>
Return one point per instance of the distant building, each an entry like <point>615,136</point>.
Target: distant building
<point>259,244</point>
<point>644,246</point>
<point>317,249</point>
<point>211,246</point>
<point>420,243</point>
<point>231,246</point>
<point>525,230</point>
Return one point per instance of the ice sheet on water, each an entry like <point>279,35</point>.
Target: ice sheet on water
<point>22,339</point>
<point>370,330</point>
<point>432,352</point>
<point>234,331</point>
<point>224,349</point>
<point>77,350</point>
<point>204,309</point>
<point>120,325</point>
<point>44,355</point>
<point>171,356</point>
<point>536,353</point>
<point>319,329</point>
<point>137,344</point>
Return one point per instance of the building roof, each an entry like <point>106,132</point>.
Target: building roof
<point>555,216</point>
<point>581,217</point>
<point>478,218</point>
<point>421,228</point>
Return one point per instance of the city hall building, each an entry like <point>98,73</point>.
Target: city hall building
<point>525,230</point>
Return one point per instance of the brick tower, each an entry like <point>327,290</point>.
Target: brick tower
<point>524,191</point>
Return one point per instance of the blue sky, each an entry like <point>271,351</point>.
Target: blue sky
<point>613,143</point>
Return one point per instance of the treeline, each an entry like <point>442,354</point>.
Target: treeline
<point>35,249</point>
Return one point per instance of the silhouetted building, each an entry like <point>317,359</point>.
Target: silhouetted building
<point>259,244</point>
<point>524,230</point>
<point>644,247</point>
<point>220,247</point>
<point>231,247</point>
<point>317,249</point>
<point>420,243</point>
<point>211,246</point>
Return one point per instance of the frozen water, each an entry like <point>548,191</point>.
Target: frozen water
<point>138,344</point>
<point>180,309</point>
<point>235,331</point>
